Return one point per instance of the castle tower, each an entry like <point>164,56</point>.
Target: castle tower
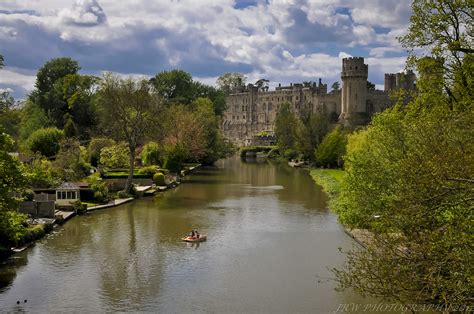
<point>354,91</point>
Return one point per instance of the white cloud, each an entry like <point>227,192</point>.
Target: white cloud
<point>284,40</point>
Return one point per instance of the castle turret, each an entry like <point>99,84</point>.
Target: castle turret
<point>354,91</point>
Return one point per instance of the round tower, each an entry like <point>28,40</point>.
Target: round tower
<point>354,91</point>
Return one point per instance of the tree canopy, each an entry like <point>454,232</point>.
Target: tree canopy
<point>409,176</point>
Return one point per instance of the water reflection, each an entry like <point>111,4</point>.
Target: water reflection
<point>269,235</point>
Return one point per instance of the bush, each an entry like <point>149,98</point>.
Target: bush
<point>95,147</point>
<point>159,179</point>
<point>151,154</point>
<point>148,171</point>
<point>332,148</point>
<point>46,141</point>
<point>122,194</point>
<point>99,187</point>
<point>116,156</point>
<point>290,154</point>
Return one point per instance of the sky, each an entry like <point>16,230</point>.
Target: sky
<point>280,40</point>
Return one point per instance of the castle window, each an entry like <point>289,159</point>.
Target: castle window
<point>356,96</point>
<point>350,68</point>
<point>356,68</point>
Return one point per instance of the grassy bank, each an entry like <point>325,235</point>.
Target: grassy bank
<point>329,179</point>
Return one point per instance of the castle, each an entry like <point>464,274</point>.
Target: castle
<point>252,110</point>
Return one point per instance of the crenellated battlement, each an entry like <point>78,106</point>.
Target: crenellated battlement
<point>354,67</point>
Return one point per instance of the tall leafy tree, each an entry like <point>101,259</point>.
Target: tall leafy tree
<point>310,131</point>
<point>128,110</point>
<point>410,175</point>
<point>46,96</point>
<point>285,128</point>
<point>175,86</point>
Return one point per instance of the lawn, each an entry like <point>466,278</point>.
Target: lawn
<point>329,179</point>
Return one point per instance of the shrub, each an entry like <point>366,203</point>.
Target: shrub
<point>46,141</point>
<point>151,154</point>
<point>99,187</point>
<point>116,156</point>
<point>290,154</point>
<point>95,147</point>
<point>159,179</point>
<point>149,171</point>
<point>332,148</point>
<point>122,194</point>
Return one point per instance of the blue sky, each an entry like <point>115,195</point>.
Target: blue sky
<point>280,40</point>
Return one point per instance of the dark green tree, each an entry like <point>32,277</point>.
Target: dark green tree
<point>285,129</point>
<point>310,131</point>
<point>48,97</point>
<point>332,148</point>
<point>46,141</point>
<point>175,86</point>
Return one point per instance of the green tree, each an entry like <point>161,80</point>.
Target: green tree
<point>95,146</point>
<point>151,154</point>
<point>47,95</point>
<point>310,131</point>
<point>285,128</point>
<point>335,86</point>
<point>370,86</point>
<point>231,81</point>
<point>9,114</point>
<point>128,111</point>
<point>332,148</point>
<point>70,163</point>
<point>32,118</point>
<point>175,86</point>
<point>46,141</point>
<point>409,175</point>
<point>12,182</point>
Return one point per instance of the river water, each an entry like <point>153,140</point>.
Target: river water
<point>270,239</point>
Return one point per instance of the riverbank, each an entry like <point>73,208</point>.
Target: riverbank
<point>64,216</point>
<point>331,180</point>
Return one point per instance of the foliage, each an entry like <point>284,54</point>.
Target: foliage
<point>148,171</point>
<point>128,110</point>
<point>335,86</point>
<point>310,131</point>
<point>98,187</point>
<point>116,156</point>
<point>151,154</point>
<point>184,135</point>
<point>47,96</point>
<point>332,148</point>
<point>285,128</point>
<point>32,118</point>
<point>231,81</point>
<point>159,179</point>
<point>370,86</point>
<point>175,86</point>
<point>95,147</point>
<point>329,179</point>
<point>12,181</point>
<point>409,176</point>
<point>46,141</point>
<point>70,163</point>
<point>9,114</point>
<point>41,173</point>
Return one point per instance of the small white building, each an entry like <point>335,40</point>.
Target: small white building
<point>66,194</point>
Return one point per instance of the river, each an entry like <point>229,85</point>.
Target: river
<point>270,238</point>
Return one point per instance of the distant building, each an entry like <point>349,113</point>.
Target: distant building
<point>66,194</point>
<point>251,110</point>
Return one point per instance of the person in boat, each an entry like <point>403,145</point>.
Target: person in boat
<point>192,234</point>
<point>196,233</point>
